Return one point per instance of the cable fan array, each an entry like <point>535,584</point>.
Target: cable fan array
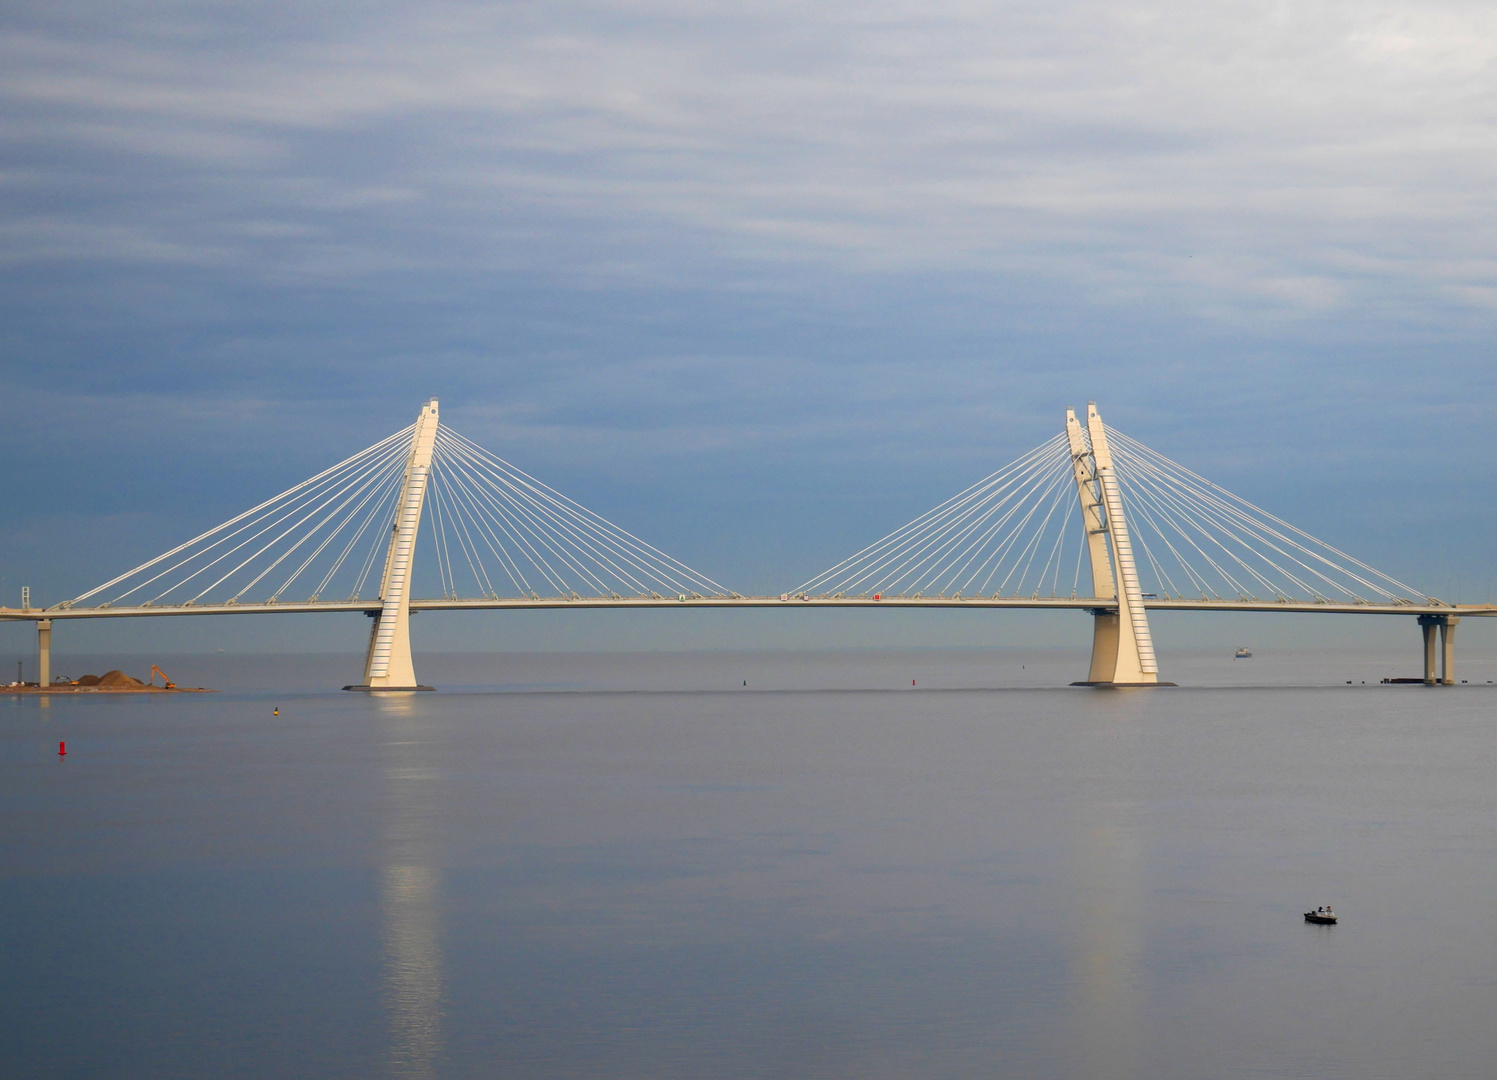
<point>1198,540</point>
<point>326,539</point>
<point>498,532</point>
<point>1004,536</point>
<point>326,534</point>
<point>510,528</point>
<point>1018,533</point>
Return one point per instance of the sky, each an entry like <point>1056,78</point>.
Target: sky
<point>758,281</point>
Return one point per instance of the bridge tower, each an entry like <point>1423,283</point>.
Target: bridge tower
<point>388,665</point>
<point>1122,647</point>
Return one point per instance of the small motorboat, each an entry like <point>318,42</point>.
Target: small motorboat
<point>1322,915</point>
<point>1243,653</point>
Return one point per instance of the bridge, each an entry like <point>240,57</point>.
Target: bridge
<point>1138,532</point>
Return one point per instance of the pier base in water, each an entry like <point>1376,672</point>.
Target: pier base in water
<point>1126,685</point>
<point>388,689</point>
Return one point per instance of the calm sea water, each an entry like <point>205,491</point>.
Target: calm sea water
<point>636,866</point>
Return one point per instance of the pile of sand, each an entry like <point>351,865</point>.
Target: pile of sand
<point>113,678</point>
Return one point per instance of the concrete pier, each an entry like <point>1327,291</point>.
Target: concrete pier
<point>43,652</point>
<point>1444,625</point>
<point>1447,650</point>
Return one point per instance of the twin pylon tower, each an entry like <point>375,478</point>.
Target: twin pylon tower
<point>1122,647</point>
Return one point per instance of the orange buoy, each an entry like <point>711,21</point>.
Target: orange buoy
<point>62,749</point>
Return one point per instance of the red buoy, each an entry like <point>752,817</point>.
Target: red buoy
<point>62,749</point>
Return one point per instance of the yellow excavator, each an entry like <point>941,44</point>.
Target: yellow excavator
<point>157,671</point>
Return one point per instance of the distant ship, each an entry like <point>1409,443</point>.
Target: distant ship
<point>1243,653</point>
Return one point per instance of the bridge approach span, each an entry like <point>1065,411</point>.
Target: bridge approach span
<point>1033,603</point>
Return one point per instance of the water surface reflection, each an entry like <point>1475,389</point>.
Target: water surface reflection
<point>1109,945</point>
<point>410,890</point>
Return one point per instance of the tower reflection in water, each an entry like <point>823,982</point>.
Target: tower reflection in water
<point>1109,1012</point>
<point>410,890</point>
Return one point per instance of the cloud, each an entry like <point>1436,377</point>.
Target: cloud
<point>1091,142</point>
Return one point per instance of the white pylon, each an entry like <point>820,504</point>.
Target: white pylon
<point>1094,521</point>
<point>1122,646</point>
<point>388,665</point>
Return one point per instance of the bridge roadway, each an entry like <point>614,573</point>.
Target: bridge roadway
<point>609,603</point>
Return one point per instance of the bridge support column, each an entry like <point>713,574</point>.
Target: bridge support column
<point>388,664</point>
<point>1427,627</point>
<point>1444,625</point>
<point>43,652</point>
<point>1104,646</point>
<point>1447,651</point>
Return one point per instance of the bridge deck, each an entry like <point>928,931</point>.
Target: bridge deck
<point>1031,602</point>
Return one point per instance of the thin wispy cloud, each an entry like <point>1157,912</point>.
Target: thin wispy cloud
<point>1291,157</point>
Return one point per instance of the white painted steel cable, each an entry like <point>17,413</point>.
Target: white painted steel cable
<point>269,519</point>
<point>1043,476</point>
<point>1055,555</point>
<point>306,538</point>
<point>353,542</point>
<point>556,535</point>
<point>1219,531</point>
<point>929,547</point>
<point>979,494</point>
<point>310,495</point>
<point>486,524</point>
<point>1057,482</point>
<point>382,444</point>
<point>1147,512</point>
<point>1267,520</point>
<point>268,545</point>
<point>1245,534</point>
<point>1000,528</point>
<point>1206,516</point>
<point>332,534</point>
<point>465,542</point>
<point>1199,579</point>
<point>1190,514</point>
<point>485,531</point>
<point>999,525</point>
<point>592,530</point>
<point>920,552</point>
<point>538,534</point>
<point>1139,535</point>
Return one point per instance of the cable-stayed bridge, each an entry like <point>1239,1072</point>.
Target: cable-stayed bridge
<point>1090,520</point>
